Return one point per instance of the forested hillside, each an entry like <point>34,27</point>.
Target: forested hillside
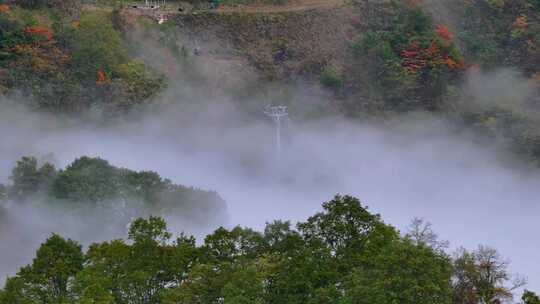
<point>66,59</point>
<point>378,58</point>
<point>421,100</point>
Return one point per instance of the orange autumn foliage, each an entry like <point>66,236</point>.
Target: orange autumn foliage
<point>433,50</point>
<point>444,33</point>
<point>415,58</point>
<point>521,22</point>
<point>4,8</point>
<point>451,63</point>
<point>41,58</point>
<point>101,78</point>
<point>39,30</point>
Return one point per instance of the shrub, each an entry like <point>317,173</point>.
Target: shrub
<point>332,78</point>
<point>496,4</point>
<point>139,82</point>
<point>410,56</point>
<point>96,46</point>
<point>32,3</point>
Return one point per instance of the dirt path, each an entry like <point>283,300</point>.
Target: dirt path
<point>291,6</point>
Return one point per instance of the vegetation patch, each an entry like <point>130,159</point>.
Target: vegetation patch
<point>343,254</point>
<point>70,62</point>
<point>94,183</point>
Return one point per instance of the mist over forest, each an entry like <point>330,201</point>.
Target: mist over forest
<point>124,134</point>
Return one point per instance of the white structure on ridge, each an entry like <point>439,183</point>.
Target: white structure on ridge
<point>277,113</point>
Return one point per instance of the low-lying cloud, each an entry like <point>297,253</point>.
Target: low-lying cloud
<point>417,165</point>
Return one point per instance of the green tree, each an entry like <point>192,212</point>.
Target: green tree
<point>228,246</point>
<point>32,3</point>
<point>152,231</point>
<point>298,271</point>
<point>87,179</point>
<point>401,272</point>
<point>3,192</point>
<point>342,255</point>
<point>145,184</point>
<point>245,286</point>
<point>104,272</point>
<point>302,273</point>
<point>96,46</point>
<point>28,179</point>
<point>48,279</point>
<point>530,297</point>
<point>225,256</point>
<point>11,34</point>
<point>139,82</point>
<point>344,225</point>
<point>96,294</point>
<point>279,237</point>
<point>138,273</point>
<point>13,292</point>
<point>332,78</point>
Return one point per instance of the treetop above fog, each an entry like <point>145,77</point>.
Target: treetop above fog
<point>343,254</point>
<point>94,182</point>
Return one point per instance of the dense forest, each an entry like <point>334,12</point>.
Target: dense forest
<point>94,183</point>
<point>343,254</point>
<point>379,58</point>
<point>474,64</point>
<point>68,60</point>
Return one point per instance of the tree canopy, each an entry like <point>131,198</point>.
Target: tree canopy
<point>343,255</point>
<point>95,183</point>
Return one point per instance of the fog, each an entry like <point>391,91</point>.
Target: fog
<point>415,165</point>
<point>418,165</point>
